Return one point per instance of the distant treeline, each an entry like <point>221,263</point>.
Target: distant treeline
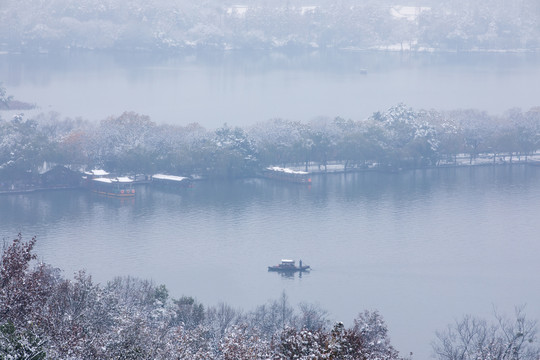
<point>46,316</point>
<point>166,25</point>
<point>133,144</point>
<point>8,103</point>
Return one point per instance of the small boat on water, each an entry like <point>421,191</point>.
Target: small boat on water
<point>287,265</point>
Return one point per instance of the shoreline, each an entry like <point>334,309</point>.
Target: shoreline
<point>313,169</point>
<point>282,50</point>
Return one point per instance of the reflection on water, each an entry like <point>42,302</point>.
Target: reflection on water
<point>423,247</point>
<point>289,275</point>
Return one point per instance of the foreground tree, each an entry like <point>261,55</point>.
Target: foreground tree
<point>17,344</point>
<point>302,344</point>
<point>242,343</point>
<point>24,292</point>
<point>372,331</point>
<point>503,339</point>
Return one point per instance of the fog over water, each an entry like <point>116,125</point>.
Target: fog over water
<point>242,88</point>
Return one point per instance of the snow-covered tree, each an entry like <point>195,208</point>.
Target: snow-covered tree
<point>407,136</point>
<point>243,343</point>
<point>21,148</point>
<point>272,317</point>
<point>233,153</point>
<point>302,344</point>
<point>471,338</point>
<point>4,98</point>
<point>121,143</point>
<point>371,329</point>
<point>280,142</point>
<point>312,317</point>
<point>20,345</point>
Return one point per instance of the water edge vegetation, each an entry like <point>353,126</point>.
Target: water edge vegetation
<point>396,139</point>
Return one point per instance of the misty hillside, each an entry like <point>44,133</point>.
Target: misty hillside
<point>455,25</point>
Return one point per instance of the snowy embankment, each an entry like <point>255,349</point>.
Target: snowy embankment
<point>460,160</point>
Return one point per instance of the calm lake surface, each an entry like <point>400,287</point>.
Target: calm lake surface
<point>422,247</point>
<point>242,88</point>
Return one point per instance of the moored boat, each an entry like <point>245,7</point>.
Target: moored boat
<point>117,187</point>
<point>96,181</point>
<point>286,174</point>
<point>287,265</point>
<point>109,186</point>
<point>171,181</point>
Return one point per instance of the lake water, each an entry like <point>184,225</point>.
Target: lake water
<point>422,247</point>
<point>242,88</point>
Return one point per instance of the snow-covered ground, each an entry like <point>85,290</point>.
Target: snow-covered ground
<point>461,160</point>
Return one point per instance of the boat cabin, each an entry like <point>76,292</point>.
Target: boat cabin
<point>287,262</point>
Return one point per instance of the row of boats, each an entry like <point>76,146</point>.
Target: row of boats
<point>100,182</point>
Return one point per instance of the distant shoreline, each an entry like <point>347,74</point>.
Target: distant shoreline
<point>12,105</point>
<point>282,50</point>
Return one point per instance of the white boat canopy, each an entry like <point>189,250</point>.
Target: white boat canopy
<point>97,172</point>
<point>114,180</point>
<point>168,177</point>
<point>286,170</point>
